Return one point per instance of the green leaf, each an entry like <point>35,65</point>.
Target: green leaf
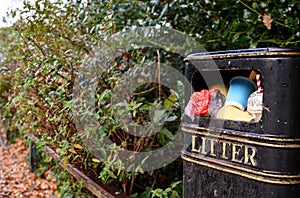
<point>161,138</point>
<point>175,194</point>
<point>170,101</point>
<point>171,118</point>
<point>158,114</point>
<point>167,133</point>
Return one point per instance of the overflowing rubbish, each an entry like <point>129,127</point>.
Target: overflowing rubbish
<point>231,112</point>
<point>221,87</point>
<point>255,101</point>
<point>216,102</point>
<point>242,101</point>
<point>205,103</point>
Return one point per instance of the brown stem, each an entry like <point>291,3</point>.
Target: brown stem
<point>132,184</point>
<point>37,45</point>
<point>124,187</point>
<point>158,75</point>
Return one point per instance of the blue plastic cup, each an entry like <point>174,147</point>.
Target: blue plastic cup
<point>239,91</point>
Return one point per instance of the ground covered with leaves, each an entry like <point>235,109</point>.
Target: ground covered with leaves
<point>15,178</point>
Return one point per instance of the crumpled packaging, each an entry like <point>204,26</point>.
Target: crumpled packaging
<point>205,103</point>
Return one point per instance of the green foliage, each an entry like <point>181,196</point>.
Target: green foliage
<point>218,25</point>
<point>42,54</point>
<point>9,61</point>
<point>67,185</point>
<point>171,191</point>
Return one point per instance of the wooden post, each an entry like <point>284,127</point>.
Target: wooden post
<point>32,155</point>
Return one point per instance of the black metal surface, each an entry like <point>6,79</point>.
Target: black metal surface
<point>203,182</point>
<point>245,53</point>
<point>275,138</point>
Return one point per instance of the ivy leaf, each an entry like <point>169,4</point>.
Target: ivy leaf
<point>267,20</point>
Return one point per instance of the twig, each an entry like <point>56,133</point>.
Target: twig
<point>250,8</point>
<point>279,42</point>
<point>132,184</point>
<point>204,10</point>
<point>165,47</point>
<point>144,92</point>
<point>158,75</point>
<point>37,45</point>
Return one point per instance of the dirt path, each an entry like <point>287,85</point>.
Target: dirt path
<point>15,178</point>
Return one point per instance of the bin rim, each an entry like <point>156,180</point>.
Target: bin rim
<point>251,52</point>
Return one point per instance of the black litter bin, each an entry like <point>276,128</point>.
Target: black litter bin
<point>238,158</point>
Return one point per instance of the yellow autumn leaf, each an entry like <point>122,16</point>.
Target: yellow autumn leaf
<point>109,158</point>
<point>72,151</point>
<point>78,146</point>
<point>65,160</point>
<point>96,160</point>
<point>119,171</point>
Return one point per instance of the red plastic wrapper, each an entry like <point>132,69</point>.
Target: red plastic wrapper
<point>205,102</point>
<point>198,104</point>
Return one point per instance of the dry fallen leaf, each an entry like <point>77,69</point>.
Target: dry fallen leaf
<point>72,151</point>
<point>65,160</point>
<point>16,180</point>
<point>78,146</point>
<point>267,20</point>
<point>96,160</point>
